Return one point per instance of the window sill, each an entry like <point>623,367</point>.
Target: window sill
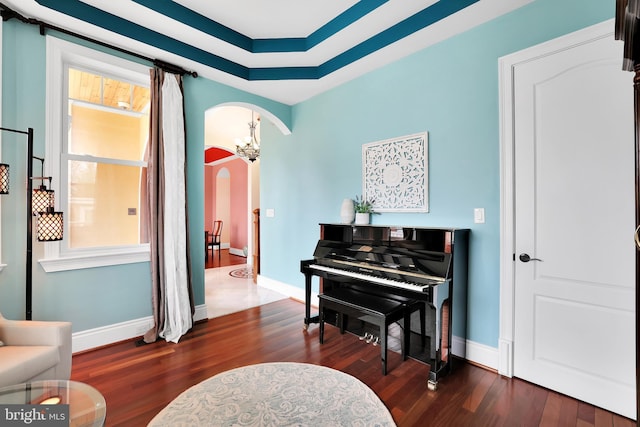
<point>79,262</point>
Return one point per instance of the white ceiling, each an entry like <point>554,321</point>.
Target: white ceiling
<point>189,27</point>
<point>225,125</point>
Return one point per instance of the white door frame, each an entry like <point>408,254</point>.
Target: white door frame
<point>507,65</point>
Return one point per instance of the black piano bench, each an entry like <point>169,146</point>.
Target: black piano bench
<point>368,308</point>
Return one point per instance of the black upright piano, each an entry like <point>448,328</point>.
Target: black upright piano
<point>420,263</point>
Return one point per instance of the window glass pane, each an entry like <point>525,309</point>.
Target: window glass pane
<point>107,133</point>
<point>108,129</point>
<point>85,86</point>
<point>104,204</point>
<point>141,99</point>
<point>117,94</point>
<point>100,90</point>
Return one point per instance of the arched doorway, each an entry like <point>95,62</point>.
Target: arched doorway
<point>225,126</point>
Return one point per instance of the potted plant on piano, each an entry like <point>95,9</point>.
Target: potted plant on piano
<point>364,209</point>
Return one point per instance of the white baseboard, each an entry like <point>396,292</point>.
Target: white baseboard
<point>235,251</point>
<point>92,338</point>
<point>470,350</point>
<point>201,313</point>
<point>223,245</point>
<point>288,290</point>
<point>478,353</point>
<point>105,335</point>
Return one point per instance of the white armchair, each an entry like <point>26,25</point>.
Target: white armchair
<point>34,350</point>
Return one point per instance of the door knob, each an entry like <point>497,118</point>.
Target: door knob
<point>527,258</point>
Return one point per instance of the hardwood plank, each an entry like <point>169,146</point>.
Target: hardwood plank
<point>551,412</point>
<point>586,413</point>
<point>527,404</point>
<point>225,259</point>
<point>482,380</point>
<point>622,421</point>
<point>138,382</point>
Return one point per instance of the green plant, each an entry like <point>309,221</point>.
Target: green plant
<point>363,206</point>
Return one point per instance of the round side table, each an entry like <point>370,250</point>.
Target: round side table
<point>87,406</point>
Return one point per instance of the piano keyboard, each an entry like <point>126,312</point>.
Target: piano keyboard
<point>375,279</point>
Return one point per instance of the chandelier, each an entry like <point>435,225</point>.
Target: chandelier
<point>251,148</point>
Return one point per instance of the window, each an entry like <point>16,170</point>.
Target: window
<point>108,126</point>
<point>98,124</point>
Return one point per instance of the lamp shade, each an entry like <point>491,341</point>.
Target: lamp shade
<point>41,199</point>
<point>4,178</point>
<point>50,226</point>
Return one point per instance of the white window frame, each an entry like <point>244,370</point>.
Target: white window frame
<point>60,54</point>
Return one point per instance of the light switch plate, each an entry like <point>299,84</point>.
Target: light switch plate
<point>478,215</point>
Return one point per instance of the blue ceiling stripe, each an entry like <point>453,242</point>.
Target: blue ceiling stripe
<point>279,45</point>
<point>418,21</point>
<point>284,73</point>
<point>110,22</point>
<point>422,19</point>
<point>193,19</point>
<point>342,21</point>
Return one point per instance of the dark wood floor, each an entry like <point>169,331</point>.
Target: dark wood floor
<point>212,261</point>
<point>138,382</point>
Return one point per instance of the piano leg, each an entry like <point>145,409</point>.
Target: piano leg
<point>383,348</point>
<point>307,303</point>
<point>432,383</point>
<point>441,361</point>
<point>321,321</point>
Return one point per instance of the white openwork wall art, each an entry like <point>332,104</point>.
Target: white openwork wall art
<point>395,174</point>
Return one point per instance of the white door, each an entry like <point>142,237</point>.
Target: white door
<point>575,211</point>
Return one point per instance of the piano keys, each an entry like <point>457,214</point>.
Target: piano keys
<point>419,263</point>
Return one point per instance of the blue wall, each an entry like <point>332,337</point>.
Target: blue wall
<point>449,90</point>
<point>93,297</point>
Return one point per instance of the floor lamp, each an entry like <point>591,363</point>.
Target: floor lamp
<point>40,202</point>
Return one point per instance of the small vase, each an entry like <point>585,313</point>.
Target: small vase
<point>347,211</point>
<point>363,218</point>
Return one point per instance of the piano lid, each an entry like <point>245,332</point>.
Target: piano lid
<point>389,251</point>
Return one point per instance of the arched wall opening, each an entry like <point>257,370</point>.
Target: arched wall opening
<point>224,126</point>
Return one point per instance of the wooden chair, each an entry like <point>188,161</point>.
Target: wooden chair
<point>213,239</point>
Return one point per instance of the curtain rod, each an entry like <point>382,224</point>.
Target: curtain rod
<point>8,14</point>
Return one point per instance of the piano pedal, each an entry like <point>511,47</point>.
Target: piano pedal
<point>365,336</point>
<point>376,341</point>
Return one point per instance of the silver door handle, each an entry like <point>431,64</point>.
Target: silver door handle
<point>527,258</point>
<point>636,238</point>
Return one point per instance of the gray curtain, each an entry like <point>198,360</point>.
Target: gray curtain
<point>172,292</point>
